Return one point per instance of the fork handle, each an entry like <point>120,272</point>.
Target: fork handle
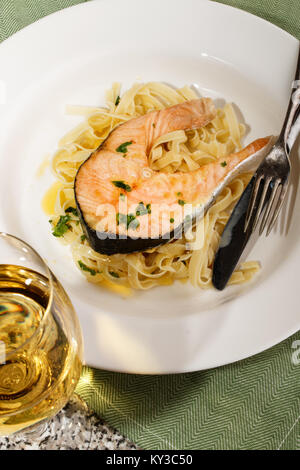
<point>291,126</point>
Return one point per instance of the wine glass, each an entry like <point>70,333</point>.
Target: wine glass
<point>40,339</point>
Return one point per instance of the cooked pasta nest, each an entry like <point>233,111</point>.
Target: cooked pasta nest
<point>188,259</point>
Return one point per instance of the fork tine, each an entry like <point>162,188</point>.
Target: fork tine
<point>277,209</point>
<point>269,207</point>
<point>252,201</point>
<point>261,203</point>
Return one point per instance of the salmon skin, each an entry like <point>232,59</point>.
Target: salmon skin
<point>125,206</point>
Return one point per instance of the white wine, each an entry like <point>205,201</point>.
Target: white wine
<point>41,364</point>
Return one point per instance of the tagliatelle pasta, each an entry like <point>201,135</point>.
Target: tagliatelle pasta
<point>187,259</point>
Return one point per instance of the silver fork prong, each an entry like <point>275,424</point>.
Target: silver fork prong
<point>278,207</point>
<point>269,207</point>
<point>261,203</point>
<point>252,201</point>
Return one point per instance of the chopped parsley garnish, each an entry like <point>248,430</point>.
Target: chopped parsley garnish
<point>113,274</point>
<point>142,209</point>
<point>122,196</point>
<point>129,220</point>
<point>172,220</point>
<point>179,194</point>
<point>84,267</point>
<point>83,238</point>
<point>72,210</point>
<point>62,226</point>
<point>117,100</point>
<point>122,185</point>
<point>181,202</point>
<point>123,147</point>
<point>223,163</point>
<point>132,222</point>
<point>121,219</point>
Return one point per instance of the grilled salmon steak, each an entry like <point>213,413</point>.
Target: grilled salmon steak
<point>124,205</point>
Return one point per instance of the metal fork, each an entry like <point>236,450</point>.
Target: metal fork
<point>272,176</point>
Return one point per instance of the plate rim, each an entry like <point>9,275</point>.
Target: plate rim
<point>87,4</point>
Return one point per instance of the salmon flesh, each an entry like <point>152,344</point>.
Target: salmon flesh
<point>124,205</point>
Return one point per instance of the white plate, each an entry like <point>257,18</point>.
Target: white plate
<point>72,57</point>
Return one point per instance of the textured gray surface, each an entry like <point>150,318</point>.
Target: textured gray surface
<point>75,427</point>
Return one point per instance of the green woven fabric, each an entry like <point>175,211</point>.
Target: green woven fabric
<point>283,13</point>
<point>252,404</point>
<point>16,14</point>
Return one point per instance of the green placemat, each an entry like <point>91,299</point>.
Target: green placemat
<point>252,404</point>
<point>283,13</point>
